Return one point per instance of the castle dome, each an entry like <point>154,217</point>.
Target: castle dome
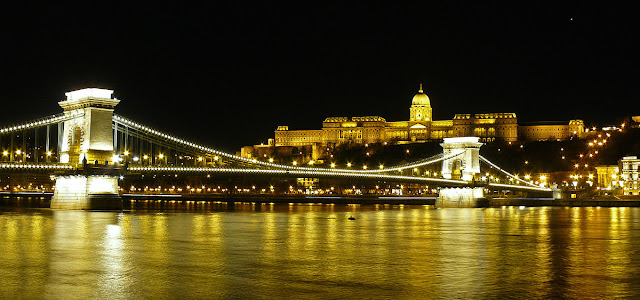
<point>420,99</point>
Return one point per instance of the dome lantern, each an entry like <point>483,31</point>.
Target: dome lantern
<point>420,99</point>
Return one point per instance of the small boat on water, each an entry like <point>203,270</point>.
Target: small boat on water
<point>351,218</point>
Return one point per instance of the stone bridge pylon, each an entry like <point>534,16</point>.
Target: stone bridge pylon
<point>87,142</point>
<point>464,166</point>
<point>89,135</point>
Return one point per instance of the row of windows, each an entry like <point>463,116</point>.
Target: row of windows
<point>546,129</point>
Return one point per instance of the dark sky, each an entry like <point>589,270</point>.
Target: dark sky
<point>227,74</point>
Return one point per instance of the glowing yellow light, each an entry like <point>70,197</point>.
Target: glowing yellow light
<point>614,176</point>
<point>527,177</point>
<point>199,158</point>
<point>126,153</point>
<point>48,153</point>
<point>590,176</point>
<point>145,157</point>
<point>5,153</point>
<point>349,165</point>
<point>311,162</point>
<point>161,156</point>
<point>270,160</point>
<point>543,177</point>
<point>333,165</point>
<point>294,162</point>
<point>18,152</point>
<point>381,167</point>
<point>215,158</point>
<point>364,167</point>
<point>576,165</point>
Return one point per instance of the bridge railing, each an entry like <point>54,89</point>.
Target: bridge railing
<point>34,166</point>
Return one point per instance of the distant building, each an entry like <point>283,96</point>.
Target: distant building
<point>421,127</point>
<point>629,169</point>
<point>607,177</point>
<point>544,131</point>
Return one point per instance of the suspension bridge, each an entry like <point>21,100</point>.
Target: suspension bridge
<point>87,148</point>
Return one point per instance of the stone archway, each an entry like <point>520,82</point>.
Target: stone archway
<point>467,164</point>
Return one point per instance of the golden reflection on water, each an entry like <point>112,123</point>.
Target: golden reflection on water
<point>314,251</point>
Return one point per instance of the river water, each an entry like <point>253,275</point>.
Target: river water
<point>313,251</point>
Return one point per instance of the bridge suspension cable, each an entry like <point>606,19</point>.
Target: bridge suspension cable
<point>53,119</point>
<point>424,162</point>
<point>509,174</point>
<point>147,130</point>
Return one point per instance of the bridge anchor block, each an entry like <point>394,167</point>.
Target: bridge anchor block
<point>89,192</point>
<point>462,197</point>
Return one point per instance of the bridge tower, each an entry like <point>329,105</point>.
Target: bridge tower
<point>466,166</point>
<point>468,163</point>
<point>88,136</point>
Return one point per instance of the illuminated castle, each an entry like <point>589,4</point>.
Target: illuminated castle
<point>421,128</point>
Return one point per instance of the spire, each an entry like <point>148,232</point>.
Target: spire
<point>420,90</point>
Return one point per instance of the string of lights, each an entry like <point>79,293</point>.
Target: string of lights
<point>53,119</point>
<point>507,173</point>
<point>126,122</point>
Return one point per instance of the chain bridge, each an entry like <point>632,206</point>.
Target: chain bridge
<point>87,150</point>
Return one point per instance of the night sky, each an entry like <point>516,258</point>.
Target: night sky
<point>226,75</point>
